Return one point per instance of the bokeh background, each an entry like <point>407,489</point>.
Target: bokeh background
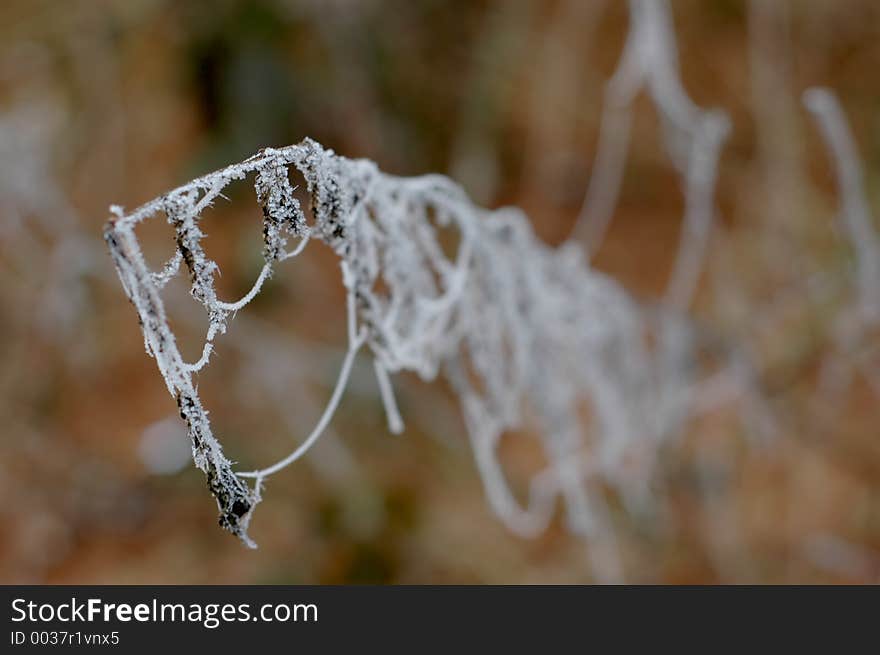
<point>105,102</point>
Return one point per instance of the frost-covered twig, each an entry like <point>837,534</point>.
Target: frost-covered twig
<point>693,138</point>
<point>524,332</point>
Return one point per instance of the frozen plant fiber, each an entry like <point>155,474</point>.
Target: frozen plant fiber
<point>523,332</point>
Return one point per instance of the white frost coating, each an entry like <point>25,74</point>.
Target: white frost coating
<point>693,139</point>
<point>522,331</point>
<point>324,421</point>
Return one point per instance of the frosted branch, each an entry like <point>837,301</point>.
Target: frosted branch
<point>693,138</point>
